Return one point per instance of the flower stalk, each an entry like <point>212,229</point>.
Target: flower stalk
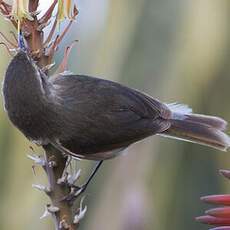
<point>24,16</point>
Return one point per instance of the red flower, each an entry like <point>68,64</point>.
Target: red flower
<point>219,217</point>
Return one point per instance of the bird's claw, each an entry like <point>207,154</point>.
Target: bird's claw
<point>75,192</point>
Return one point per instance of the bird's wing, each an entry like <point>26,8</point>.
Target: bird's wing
<point>104,115</point>
<point>93,91</point>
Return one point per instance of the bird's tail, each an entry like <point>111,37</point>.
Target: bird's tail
<point>197,128</point>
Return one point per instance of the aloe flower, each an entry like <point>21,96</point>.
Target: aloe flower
<point>20,10</point>
<point>25,17</point>
<point>220,216</point>
<point>66,9</point>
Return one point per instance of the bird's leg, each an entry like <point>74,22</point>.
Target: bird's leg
<point>76,191</point>
<point>85,185</point>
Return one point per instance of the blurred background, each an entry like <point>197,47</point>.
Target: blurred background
<point>174,50</point>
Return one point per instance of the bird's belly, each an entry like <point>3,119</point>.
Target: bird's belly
<point>103,155</point>
<point>102,142</point>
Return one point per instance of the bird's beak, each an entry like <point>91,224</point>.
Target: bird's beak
<point>21,42</point>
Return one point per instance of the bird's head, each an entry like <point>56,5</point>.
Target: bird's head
<point>23,76</point>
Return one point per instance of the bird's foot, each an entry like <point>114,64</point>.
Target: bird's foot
<point>75,192</point>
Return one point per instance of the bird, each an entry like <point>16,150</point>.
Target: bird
<point>96,119</point>
<point>93,118</point>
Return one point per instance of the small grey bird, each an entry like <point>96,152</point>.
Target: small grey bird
<point>95,119</point>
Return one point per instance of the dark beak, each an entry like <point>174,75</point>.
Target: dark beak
<point>21,42</point>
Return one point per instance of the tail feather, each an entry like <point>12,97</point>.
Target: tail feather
<point>214,122</point>
<point>202,129</point>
